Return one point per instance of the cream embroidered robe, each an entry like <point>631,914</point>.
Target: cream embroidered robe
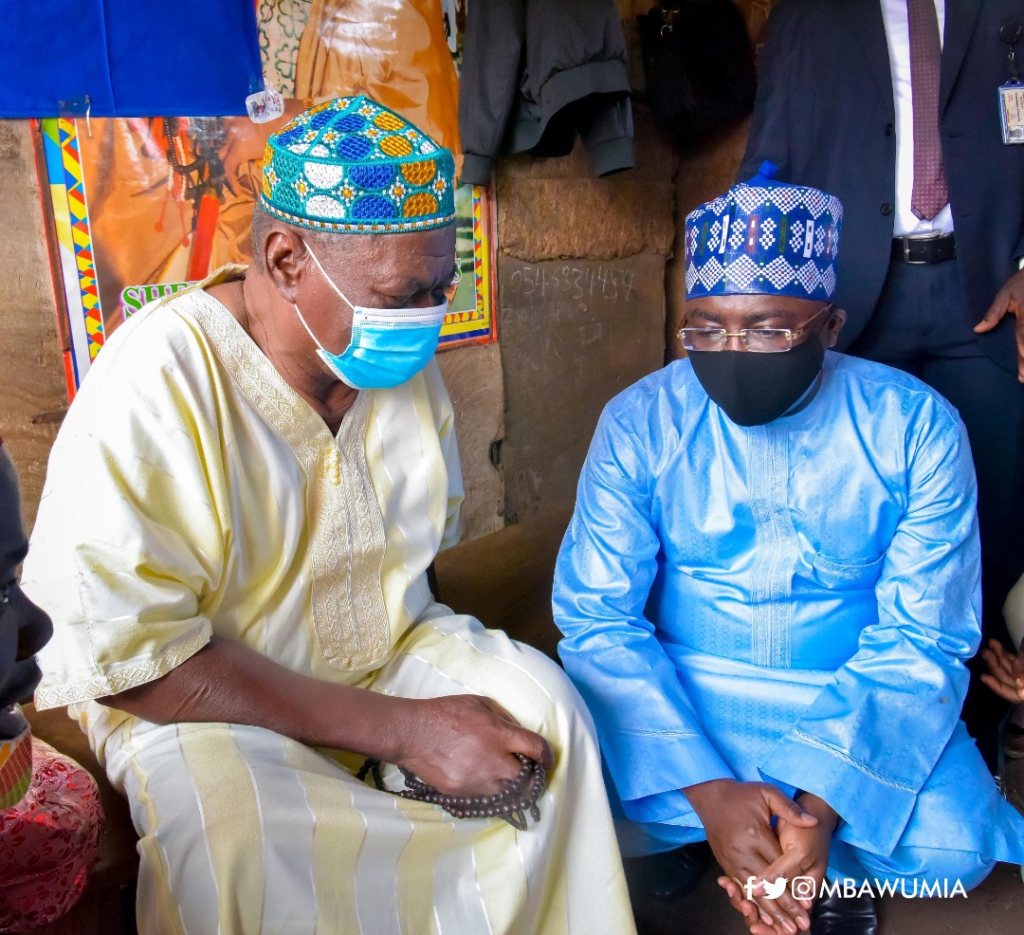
<point>192,492</point>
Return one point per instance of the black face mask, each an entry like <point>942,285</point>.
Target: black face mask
<point>755,389</point>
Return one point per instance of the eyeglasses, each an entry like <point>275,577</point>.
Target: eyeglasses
<point>754,340</point>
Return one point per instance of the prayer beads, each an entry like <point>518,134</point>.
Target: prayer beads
<point>517,797</point>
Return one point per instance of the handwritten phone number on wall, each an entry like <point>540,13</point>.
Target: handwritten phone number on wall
<point>575,282</point>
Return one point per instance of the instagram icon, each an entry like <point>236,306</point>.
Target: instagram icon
<point>803,887</point>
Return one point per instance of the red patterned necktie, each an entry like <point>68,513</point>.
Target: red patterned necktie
<point>930,194</point>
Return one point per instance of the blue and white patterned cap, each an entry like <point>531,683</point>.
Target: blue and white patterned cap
<point>353,166</point>
<point>764,238</point>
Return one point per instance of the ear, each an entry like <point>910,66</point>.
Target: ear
<point>287,261</point>
<point>834,326</point>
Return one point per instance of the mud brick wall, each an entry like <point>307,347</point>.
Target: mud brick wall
<point>473,378</point>
<point>566,351</point>
<point>32,390</point>
<point>581,277</point>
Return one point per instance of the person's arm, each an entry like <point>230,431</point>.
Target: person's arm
<point>872,737</point>
<point>461,744</point>
<point>770,131</point>
<point>652,739</point>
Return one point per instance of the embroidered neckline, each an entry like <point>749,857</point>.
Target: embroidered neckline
<point>345,525</point>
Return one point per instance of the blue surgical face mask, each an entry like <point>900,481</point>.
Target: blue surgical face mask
<point>389,345</point>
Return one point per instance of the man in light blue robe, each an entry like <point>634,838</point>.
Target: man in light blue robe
<point>770,586</point>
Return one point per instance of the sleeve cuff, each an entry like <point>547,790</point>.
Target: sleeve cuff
<point>645,764</point>
<point>612,156</point>
<point>56,692</point>
<point>875,811</point>
<point>666,808</point>
<point>476,170</point>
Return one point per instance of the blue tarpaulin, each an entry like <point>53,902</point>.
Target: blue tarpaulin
<point>129,58</point>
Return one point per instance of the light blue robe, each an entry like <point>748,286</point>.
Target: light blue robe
<point>791,603</point>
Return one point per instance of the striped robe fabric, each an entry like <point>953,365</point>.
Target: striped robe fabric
<point>192,492</point>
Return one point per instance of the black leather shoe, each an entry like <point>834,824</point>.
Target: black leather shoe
<point>839,915</point>
<point>659,880</point>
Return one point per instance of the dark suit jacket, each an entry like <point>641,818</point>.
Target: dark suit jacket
<point>825,114</point>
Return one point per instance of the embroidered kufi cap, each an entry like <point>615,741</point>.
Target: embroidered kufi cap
<point>353,166</point>
<point>764,237</point>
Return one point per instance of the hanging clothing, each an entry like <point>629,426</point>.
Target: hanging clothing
<point>395,53</point>
<point>791,603</point>
<point>537,73</point>
<point>192,492</point>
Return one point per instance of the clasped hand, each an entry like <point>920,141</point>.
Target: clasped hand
<point>737,818</point>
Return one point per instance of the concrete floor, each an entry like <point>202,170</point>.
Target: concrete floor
<point>995,908</point>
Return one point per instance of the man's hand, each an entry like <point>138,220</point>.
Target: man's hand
<point>737,818</point>
<point>465,744</point>
<point>805,850</point>
<point>1007,672</point>
<point>805,853</point>
<point>1009,301</point>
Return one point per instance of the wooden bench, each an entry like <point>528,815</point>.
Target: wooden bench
<point>503,579</point>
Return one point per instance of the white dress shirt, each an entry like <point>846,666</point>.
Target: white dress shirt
<point>897,34</point>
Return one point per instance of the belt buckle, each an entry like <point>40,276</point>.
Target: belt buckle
<point>906,247</point>
<point>906,255</point>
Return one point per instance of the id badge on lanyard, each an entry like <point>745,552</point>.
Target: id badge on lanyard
<point>1011,94</point>
<point>1011,112</point>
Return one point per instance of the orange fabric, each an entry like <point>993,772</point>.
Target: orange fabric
<point>393,51</point>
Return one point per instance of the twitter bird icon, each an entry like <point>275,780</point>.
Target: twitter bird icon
<point>772,890</point>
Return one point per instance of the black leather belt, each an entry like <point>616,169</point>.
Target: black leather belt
<point>920,250</point>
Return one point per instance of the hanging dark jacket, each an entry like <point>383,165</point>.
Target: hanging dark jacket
<point>536,73</point>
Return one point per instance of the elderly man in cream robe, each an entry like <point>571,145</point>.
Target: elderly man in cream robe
<point>240,510</point>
